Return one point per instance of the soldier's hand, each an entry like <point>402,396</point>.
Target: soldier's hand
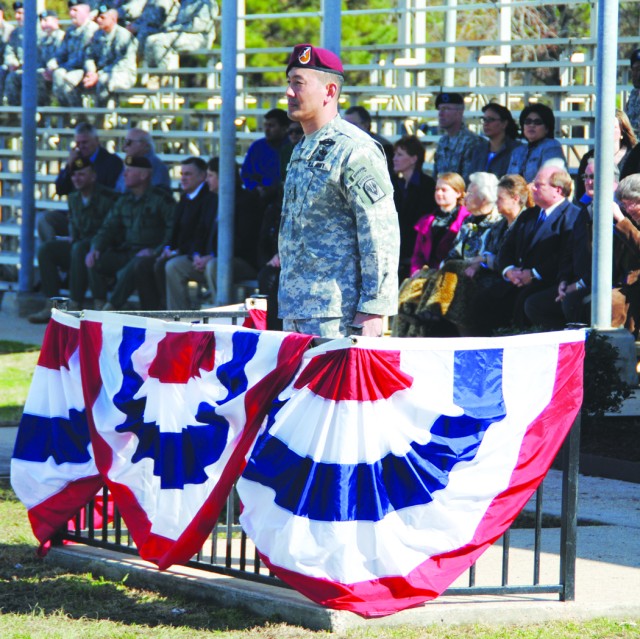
<point>90,79</point>
<point>92,258</point>
<point>371,324</point>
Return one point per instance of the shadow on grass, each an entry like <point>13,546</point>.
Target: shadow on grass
<point>8,347</point>
<point>28,583</point>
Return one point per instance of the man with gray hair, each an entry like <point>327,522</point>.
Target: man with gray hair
<point>139,143</point>
<point>339,238</point>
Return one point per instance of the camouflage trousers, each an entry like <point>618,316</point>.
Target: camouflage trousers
<point>161,49</point>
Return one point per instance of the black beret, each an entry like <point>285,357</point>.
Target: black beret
<point>307,56</point>
<point>634,57</point>
<point>75,3</point>
<point>137,162</point>
<point>48,13</point>
<point>103,7</point>
<point>449,98</point>
<point>18,5</point>
<point>81,163</point>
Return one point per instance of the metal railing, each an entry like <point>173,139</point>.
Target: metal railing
<point>229,551</point>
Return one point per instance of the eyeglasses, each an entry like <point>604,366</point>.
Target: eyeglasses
<point>531,122</point>
<point>487,120</point>
<point>588,177</point>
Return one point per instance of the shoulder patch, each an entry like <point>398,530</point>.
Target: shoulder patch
<point>371,188</point>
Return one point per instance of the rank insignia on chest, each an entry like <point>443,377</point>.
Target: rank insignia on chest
<point>314,164</point>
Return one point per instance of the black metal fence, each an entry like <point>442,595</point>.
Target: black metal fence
<point>229,551</point>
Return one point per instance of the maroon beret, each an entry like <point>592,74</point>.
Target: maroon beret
<point>307,56</point>
<point>137,162</point>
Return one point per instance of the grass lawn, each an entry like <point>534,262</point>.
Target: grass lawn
<point>17,363</point>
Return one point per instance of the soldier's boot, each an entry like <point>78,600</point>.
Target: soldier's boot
<point>43,316</point>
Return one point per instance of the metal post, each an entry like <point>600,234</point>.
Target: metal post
<point>29,105</point>
<point>227,189</point>
<point>450,22</point>
<point>331,25</point>
<point>606,63</point>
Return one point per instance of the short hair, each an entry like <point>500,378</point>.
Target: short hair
<point>145,137</point>
<point>86,128</point>
<point>545,113</point>
<point>516,186</point>
<point>279,115</point>
<point>486,184</point>
<point>455,181</point>
<point>412,145</point>
<point>561,178</point>
<point>505,115</point>
<point>629,188</point>
<point>199,163</point>
<point>326,77</point>
<point>616,169</point>
<point>362,113</point>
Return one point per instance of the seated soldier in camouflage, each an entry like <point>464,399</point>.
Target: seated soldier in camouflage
<point>111,59</point>
<point>143,18</point>
<point>50,37</point>
<point>130,239</point>
<point>89,204</point>
<point>66,70</point>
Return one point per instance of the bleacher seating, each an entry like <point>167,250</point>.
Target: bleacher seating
<point>183,113</point>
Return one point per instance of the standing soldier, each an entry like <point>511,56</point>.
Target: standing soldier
<point>132,236</point>
<point>339,238</point>
<point>66,70</point>
<point>192,28</point>
<point>457,144</point>
<point>88,207</point>
<point>5,31</point>
<point>50,37</point>
<point>111,60</point>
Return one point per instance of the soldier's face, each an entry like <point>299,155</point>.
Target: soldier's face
<point>107,21</point>
<point>79,14</point>
<point>306,94</point>
<point>135,176</point>
<point>49,24</point>
<point>190,178</point>
<point>450,115</point>
<point>83,179</point>
<point>86,144</point>
<point>19,16</point>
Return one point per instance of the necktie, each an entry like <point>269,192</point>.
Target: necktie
<point>542,216</point>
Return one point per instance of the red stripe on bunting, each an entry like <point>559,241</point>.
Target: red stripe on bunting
<point>355,374</point>
<point>181,356</point>
<point>58,345</point>
<point>540,445</point>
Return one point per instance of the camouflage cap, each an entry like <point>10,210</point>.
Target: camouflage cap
<point>137,162</point>
<point>307,56</point>
<point>81,163</point>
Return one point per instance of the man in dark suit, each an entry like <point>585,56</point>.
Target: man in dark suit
<point>52,224</point>
<point>530,257</point>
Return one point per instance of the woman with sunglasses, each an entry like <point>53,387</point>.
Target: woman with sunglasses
<point>500,130</point>
<point>537,124</point>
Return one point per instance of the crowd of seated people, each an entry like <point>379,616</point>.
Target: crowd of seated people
<point>502,246</point>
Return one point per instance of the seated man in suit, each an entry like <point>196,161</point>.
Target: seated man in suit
<point>530,255</point>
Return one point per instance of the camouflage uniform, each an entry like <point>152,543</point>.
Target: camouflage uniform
<point>5,31</point>
<point>113,57</point>
<point>47,47</point>
<point>192,28</point>
<point>85,220</point>
<point>68,65</point>
<point>632,109</point>
<point>134,223</point>
<point>146,16</point>
<point>455,153</point>
<point>339,239</point>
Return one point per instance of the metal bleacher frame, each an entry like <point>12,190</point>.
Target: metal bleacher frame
<point>183,113</point>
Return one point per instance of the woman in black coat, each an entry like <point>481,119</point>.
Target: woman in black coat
<point>413,194</point>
